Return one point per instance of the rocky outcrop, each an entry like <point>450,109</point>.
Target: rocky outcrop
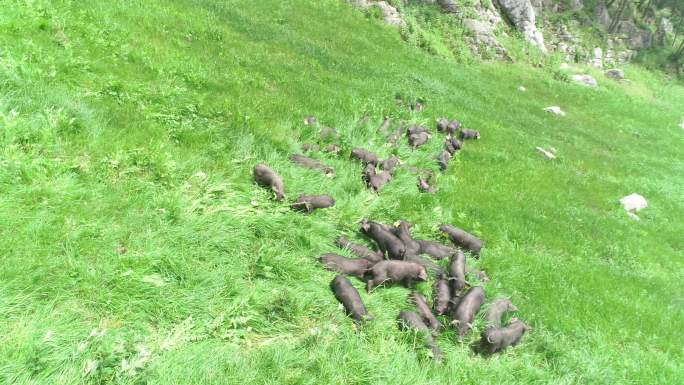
<point>482,38</point>
<point>635,37</point>
<point>389,14</point>
<point>585,80</point>
<point>521,14</point>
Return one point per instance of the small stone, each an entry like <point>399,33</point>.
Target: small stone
<point>634,202</point>
<point>585,80</point>
<point>547,154</point>
<point>523,89</point>
<point>682,125</point>
<point>555,110</point>
<point>200,175</point>
<point>121,250</point>
<point>615,73</point>
<point>154,279</point>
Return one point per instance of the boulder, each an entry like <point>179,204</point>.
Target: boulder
<point>521,14</point>
<point>634,202</point>
<point>482,35</point>
<point>636,38</point>
<point>602,15</point>
<point>585,80</point>
<point>615,73</point>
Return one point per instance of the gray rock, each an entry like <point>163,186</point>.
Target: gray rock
<point>389,14</point>
<point>483,36</point>
<point>615,73</point>
<point>602,15</point>
<point>521,14</point>
<point>636,38</point>
<point>449,6</point>
<point>585,80</point>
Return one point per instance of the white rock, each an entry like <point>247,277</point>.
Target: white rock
<point>585,80</point>
<point>555,110</point>
<point>547,154</point>
<point>634,202</point>
<point>523,89</point>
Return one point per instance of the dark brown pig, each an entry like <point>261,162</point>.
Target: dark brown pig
<point>350,298</point>
<point>377,181</point>
<point>435,250</point>
<point>309,203</point>
<point>456,271</point>
<point>419,139</point>
<point>442,124</point>
<point>497,339</point>
<point>355,267</point>
<point>415,129</point>
<point>426,263</point>
<point>453,127</point>
<point>424,311</point>
<point>441,297</point>
<point>403,232</point>
<point>311,163</point>
<point>469,134</point>
<point>408,320</point>
<point>365,156</point>
<point>266,177</point>
<point>389,164</point>
<point>396,271</point>
<point>388,243</point>
<point>467,309</point>
<point>496,311</point>
<point>443,160</point>
<point>463,239</point>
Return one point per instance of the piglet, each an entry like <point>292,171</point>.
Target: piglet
<point>469,134</point>
<point>309,203</point>
<point>497,339</point>
<point>496,311</point>
<point>266,177</point>
<point>443,160</point>
<point>350,299</point>
<point>355,267</point>
<point>396,271</point>
<point>389,164</point>
<point>456,271</point>
<point>365,156</point>
<point>467,309</point>
<point>442,124</point>
<point>463,239</point>
<point>310,163</point>
<point>377,181</point>
<point>360,251</point>
<point>435,250</point>
<point>452,145</point>
<point>424,311</point>
<point>441,297</point>
<point>408,320</point>
<point>415,129</point>
<point>388,243</point>
<point>418,139</point>
<point>453,127</point>
<point>403,232</point>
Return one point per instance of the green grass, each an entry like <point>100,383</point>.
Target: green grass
<point>109,110</point>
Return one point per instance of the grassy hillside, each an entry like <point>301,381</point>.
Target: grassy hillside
<point>136,249</point>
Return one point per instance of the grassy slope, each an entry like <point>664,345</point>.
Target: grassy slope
<point>108,110</point>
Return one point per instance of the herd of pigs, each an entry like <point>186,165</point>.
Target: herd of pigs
<point>399,257</point>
